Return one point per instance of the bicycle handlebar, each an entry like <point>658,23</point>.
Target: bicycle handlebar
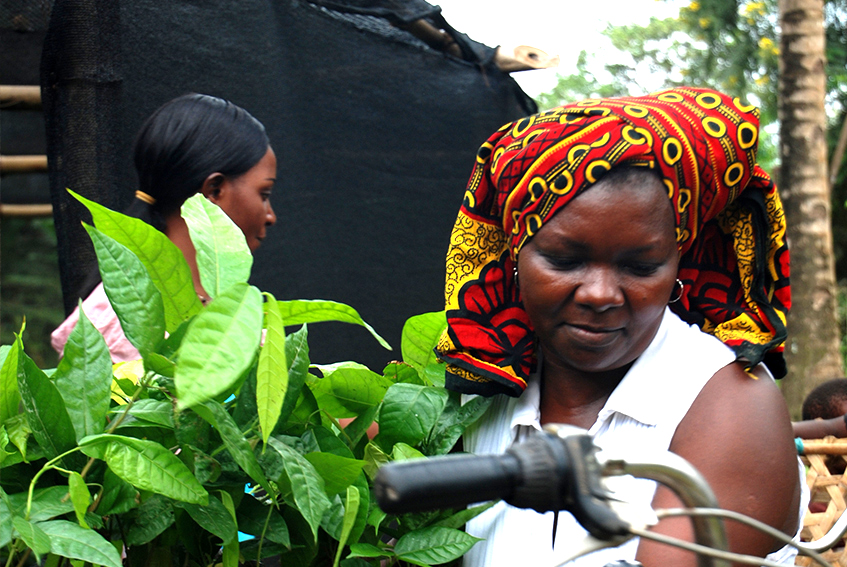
<point>545,473</point>
<point>556,470</point>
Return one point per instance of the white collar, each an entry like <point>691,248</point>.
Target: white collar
<point>636,396</point>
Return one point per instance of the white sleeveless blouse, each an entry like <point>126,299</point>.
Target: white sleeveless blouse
<point>642,412</point>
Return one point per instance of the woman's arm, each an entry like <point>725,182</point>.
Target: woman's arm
<point>738,435</point>
<point>820,428</point>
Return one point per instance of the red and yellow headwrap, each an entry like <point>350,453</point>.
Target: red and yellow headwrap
<point>730,225</point>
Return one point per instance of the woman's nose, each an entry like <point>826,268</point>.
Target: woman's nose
<point>270,215</point>
<point>600,290</point>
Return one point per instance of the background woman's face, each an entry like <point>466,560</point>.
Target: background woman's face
<point>596,278</point>
<point>246,199</point>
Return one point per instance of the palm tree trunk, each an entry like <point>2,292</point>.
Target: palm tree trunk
<point>812,350</point>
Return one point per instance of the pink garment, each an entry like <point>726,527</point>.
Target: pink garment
<point>99,311</point>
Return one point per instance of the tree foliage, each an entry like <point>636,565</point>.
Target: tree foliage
<point>728,45</point>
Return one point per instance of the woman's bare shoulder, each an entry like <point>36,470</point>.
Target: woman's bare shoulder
<point>738,435</point>
<point>737,411</point>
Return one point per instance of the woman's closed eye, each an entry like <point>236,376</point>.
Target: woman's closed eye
<point>642,269</point>
<point>564,263</point>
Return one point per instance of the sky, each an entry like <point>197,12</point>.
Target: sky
<point>558,27</point>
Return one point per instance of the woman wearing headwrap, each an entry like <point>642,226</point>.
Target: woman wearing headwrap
<point>620,265</point>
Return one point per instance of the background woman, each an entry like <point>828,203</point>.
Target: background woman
<point>194,143</point>
<point>620,265</point>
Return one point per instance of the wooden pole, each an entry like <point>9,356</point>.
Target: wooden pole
<point>20,97</point>
<point>22,164</point>
<point>26,210</point>
<point>523,58</point>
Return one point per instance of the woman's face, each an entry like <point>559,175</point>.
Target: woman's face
<point>246,199</point>
<point>596,278</point>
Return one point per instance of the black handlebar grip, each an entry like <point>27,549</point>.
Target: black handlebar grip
<point>453,481</point>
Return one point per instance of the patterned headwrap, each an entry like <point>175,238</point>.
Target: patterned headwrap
<point>730,225</point>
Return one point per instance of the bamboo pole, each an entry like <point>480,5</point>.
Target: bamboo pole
<point>20,97</point>
<point>22,164</point>
<point>36,210</point>
<point>523,58</point>
<point>824,447</point>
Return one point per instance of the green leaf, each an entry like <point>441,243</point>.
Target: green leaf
<point>46,503</point>
<point>80,497</point>
<point>304,548</point>
<point>333,518</point>
<point>159,412</point>
<point>5,521</point>
<point>146,465</point>
<point>297,355</point>
<point>408,413</point>
<point>44,408</point>
<point>153,516</point>
<point>219,345</point>
<point>433,545</point>
<point>165,262</point>
<point>374,458</point>
<point>375,518</point>
<point>349,389</point>
<point>69,540</point>
<point>351,509</point>
<point>434,374</point>
<point>299,311</point>
<point>19,432</point>
<point>33,536</point>
<point>214,518</point>
<point>420,336</point>
<point>368,550</point>
<point>118,497</point>
<point>159,364</point>
<point>84,378</point>
<point>9,396</point>
<point>356,429</point>
<point>402,452</point>
<point>462,517</point>
<point>306,484</point>
<point>361,521</point>
<point>259,519</point>
<point>231,548</point>
<point>325,440</point>
<point>305,415</point>
<point>5,442</point>
<point>239,448</point>
<point>403,372</point>
<point>272,374</point>
<point>337,472</point>
<point>223,257</point>
<point>453,421</point>
<point>246,411</point>
<point>135,299</point>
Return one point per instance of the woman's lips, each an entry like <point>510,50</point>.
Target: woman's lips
<point>593,337</point>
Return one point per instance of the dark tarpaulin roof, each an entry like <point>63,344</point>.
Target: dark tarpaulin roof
<point>374,131</point>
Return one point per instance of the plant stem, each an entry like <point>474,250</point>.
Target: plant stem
<point>24,558</point>
<point>262,537</point>
<point>142,385</point>
<point>114,425</point>
<point>11,554</point>
<point>47,466</point>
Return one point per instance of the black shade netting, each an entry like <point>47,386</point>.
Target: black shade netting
<point>375,134</point>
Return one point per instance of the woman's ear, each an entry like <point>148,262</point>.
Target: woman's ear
<point>212,185</point>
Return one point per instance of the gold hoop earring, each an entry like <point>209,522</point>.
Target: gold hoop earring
<point>681,287</point>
